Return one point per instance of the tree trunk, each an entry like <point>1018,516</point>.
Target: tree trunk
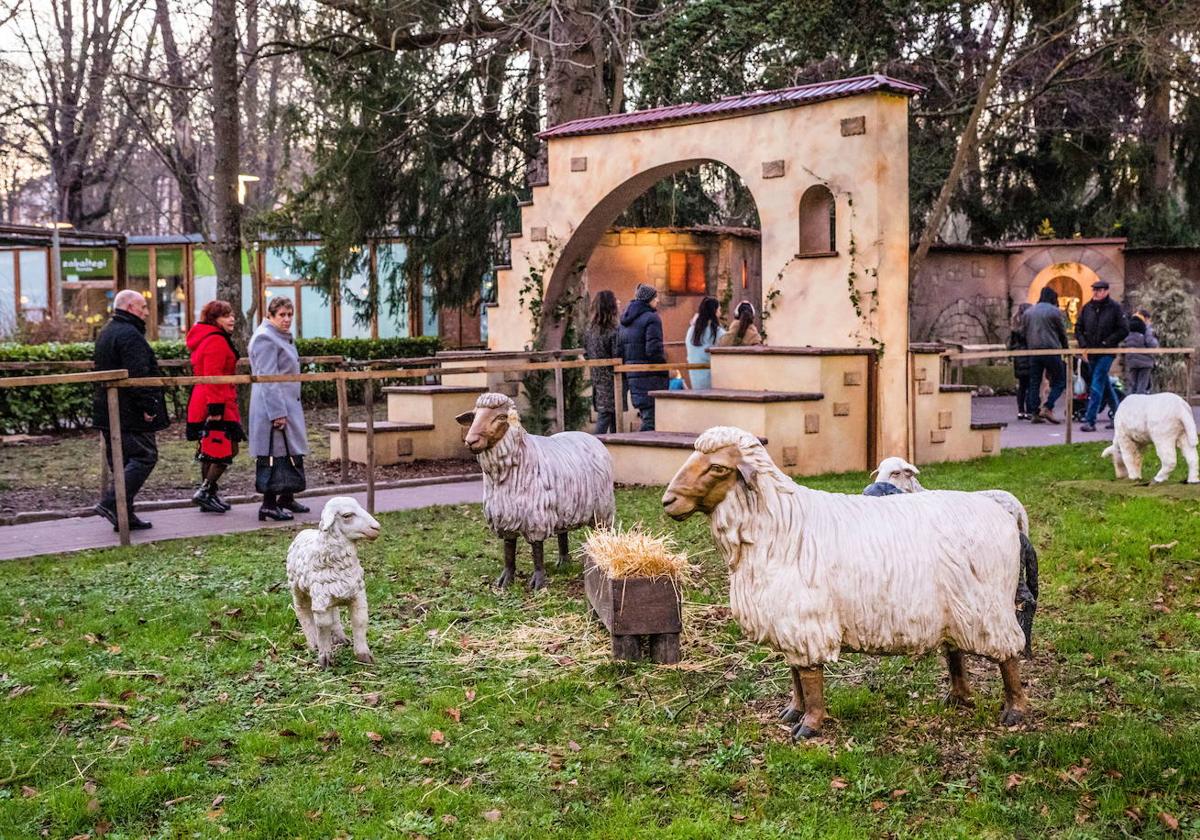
<point>226,240</point>
<point>183,153</point>
<point>250,103</point>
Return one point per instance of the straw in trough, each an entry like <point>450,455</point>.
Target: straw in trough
<point>636,553</point>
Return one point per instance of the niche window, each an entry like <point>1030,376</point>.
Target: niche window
<point>686,273</point>
<point>818,223</point>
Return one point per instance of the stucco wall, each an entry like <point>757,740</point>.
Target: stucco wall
<point>961,295</point>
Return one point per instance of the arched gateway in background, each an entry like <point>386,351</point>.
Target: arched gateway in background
<point>827,165</point>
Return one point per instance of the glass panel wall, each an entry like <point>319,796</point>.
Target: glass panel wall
<point>393,314</point>
<point>355,292</point>
<point>35,285</point>
<point>204,283</point>
<point>170,290</point>
<point>316,313</point>
<point>429,312</point>
<point>8,293</point>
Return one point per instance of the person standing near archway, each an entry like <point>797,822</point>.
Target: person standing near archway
<point>1101,325</point>
<point>641,340</point>
<point>1044,330</point>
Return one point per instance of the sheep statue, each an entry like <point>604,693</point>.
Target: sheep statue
<point>898,473</point>
<point>324,574</point>
<point>895,475</point>
<point>1165,420</point>
<point>535,486</point>
<point>812,573</point>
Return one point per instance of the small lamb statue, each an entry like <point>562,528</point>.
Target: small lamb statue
<point>534,486</point>
<point>324,574</point>
<point>1165,420</point>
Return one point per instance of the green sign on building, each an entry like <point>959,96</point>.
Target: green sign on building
<point>87,264</point>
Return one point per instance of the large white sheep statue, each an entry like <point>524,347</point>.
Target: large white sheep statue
<point>1166,420</point>
<point>324,575</point>
<point>533,486</point>
<point>812,574</point>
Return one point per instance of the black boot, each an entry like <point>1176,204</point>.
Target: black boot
<point>205,499</point>
<point>288,502</point>
<point>216,498</point>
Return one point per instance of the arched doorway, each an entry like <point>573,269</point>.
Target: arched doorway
<point>1072,283</point>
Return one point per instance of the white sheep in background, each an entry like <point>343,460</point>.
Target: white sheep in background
<point>534,486</point>
<point>324,574</point>
<point>1165,420</point>
<point>903,475</point>
<point>812,574</point>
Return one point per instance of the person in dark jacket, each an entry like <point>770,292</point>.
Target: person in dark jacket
<point>641,340</point>
<point>1101,324</point>
<point>1044,330</point>
<point>122,345</point>
<point>600,342</point>
<point>1016,341</point>
<point>1139,366</point>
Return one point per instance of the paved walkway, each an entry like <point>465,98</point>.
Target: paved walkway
<point>1024,433</point>
<point>77,534</point>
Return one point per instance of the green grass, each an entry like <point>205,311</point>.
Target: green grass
<point>540,734</point>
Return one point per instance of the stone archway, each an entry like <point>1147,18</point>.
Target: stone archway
<point>850,136</point>
<point>1072,282</point>
<point>1083,261</point>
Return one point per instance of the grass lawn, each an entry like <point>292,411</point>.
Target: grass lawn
<point>164,691</point>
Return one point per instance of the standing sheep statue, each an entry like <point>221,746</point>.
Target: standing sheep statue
<point>812,574</point>
<point>533,486</point>
<point>1165,420</point>
<point>324,575</point>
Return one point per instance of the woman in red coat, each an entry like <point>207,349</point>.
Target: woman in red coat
<point>212,415</point>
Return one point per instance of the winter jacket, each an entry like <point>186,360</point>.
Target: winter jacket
<point>213,354</point>
<point>1101,324</point>
<point>641,342</point>
<point>602,345</point>
<point>273,351</point>
<point>122,345</point>
<point>1139,361</point>
<point>1016,341</point>
<point>699,355</point>
<point>1044,328</point>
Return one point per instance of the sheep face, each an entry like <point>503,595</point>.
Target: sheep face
<point>344,517</point>
<point>704,480</point>
<point>484,427</point>
<point>897,471</point>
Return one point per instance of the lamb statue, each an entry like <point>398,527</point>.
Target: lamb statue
<point>324,574</point>
<point>535,486</point>
<point>812,573</point>
<point>1165,420</point>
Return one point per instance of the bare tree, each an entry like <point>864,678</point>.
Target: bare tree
<point>226,238</point>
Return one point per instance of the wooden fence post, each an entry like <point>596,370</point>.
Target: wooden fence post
<point>1069,410</point>
<point>118,463</point>
<point>369,404</point>
<point>344,427</point>
<point>619,399</point>
<point>560,415</point>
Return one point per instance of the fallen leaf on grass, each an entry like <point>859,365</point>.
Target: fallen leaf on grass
<point>899,792</point>
<point>28,792</point>
<point>89,787</point>
<point>739,818</point>
<point>114,649</point>
<point>92,806</point>
<point>371,699</point>
<point>878,805</point>
<point>470,695</point>
<point>288,733</point>
<point>19,690</point>
<point>456,714</point>
<point>1134,814</point>
<point>436,737</point>
<point>216,803</point>
<point>838,783</point>
<point>120,723</point>
<point>374,737</point>
<point>176,801</point>
<point>313,815</point>
<point>359,789</point>
<point>573,747</point>
<point>492,815</point>
<point>215,814</point>
<point>449,819</point>
<point>1013,780</point>
<point>1169,821</point>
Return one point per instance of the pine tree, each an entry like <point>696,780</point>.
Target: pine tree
<point>1169,298</point>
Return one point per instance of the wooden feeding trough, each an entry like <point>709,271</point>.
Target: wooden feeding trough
<point>644,614</point>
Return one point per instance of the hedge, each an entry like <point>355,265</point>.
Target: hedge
<point>59,407</point>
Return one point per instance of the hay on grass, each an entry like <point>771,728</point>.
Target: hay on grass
<point>637,553</point>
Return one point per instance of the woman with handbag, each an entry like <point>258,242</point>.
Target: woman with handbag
<point>278,438</point>
<point>212,414</point>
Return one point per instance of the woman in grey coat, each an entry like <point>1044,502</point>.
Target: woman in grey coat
<point>276,405</point>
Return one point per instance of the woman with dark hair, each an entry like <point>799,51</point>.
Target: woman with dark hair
<point>212,414</point>
<point>600,342</point>
<point>704,331</point>
<point>742,332</point>
<point>276,416</point>
<point>1021,367</point>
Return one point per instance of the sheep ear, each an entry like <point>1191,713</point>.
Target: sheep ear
<point>514,418</point>
<point>328,517</point>
<point>746,474</point>
<point>875,472</point>
<point>466,418</point>
<point>910,470</point>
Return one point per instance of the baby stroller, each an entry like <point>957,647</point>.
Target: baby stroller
<point>1081,385</point>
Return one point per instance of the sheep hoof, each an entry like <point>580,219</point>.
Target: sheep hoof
<point>790,714</point>
<point>325,660</point>
<point>506,577</point>
<point>1012,716</point>
<point>365,657</point>
<point>538,581</point>
<point>961,700</point>
<point>802,731</point>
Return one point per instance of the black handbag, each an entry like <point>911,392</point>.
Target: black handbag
<point>279,474</point>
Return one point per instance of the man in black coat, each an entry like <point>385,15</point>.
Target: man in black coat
<point>122,345</point>
<point>1101,324</point>
<point>641,342</point>
<point>1044,330</point>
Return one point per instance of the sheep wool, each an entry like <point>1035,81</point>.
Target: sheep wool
<point>536,487</point>
<point>1165,420</point>
<point>814,573</point>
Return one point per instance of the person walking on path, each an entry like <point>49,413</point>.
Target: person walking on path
<point>1101,325</point>
<point>600,342</point>
<point>703,332</point>
<point>276,414</point>
<point>1044,330</point>
<point>1139,366</point>
<point>213,418</point>
<point>641,340</point>
<point>1016,341</point>
<point>122,345</point>
<point>742,332</point>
